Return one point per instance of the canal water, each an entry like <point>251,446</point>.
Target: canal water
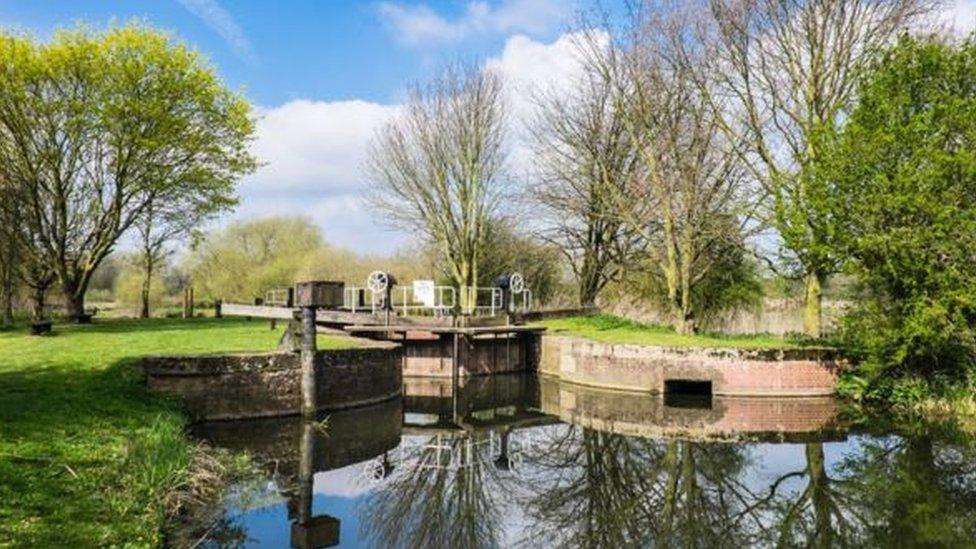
<point>517,461</point>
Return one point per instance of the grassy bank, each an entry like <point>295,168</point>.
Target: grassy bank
<point>87,456</point>
<point>611,329</point>
<point>946,400</point>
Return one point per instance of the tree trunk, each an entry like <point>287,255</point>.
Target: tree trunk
<point>686,323</point>
<point>74,301</point>
<point>813,304</point>
<point>38,296</point>
<point>146,287</point>
<point>144,301</point>
<point>820,494</point>
<point>7,298</point>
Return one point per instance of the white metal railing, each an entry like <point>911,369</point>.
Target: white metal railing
<point>444,301</point>
<point>485,300</point>
<point>277,297</point>
<point>490,300</point>
<point>350,298</point>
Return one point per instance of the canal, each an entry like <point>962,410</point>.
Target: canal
<point>522,461</point>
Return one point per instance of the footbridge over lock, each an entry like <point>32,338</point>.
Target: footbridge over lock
<point>404,308</point>
<point>445,331</point>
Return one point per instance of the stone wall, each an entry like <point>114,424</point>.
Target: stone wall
<point>784,372</point>
<point>267,385</point>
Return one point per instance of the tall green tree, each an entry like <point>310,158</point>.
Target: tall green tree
<point>783,71</point>
<point>95,127</point>
<point>904,172</point>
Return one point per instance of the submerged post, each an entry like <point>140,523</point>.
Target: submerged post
<point>308,301</point>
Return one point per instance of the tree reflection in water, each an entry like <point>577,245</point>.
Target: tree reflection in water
<point>443,492</point>
<point>579,487</point>
<point>596,489</point>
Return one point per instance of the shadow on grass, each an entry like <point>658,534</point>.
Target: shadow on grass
<point>124,325</point>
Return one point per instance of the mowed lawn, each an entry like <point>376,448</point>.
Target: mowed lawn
<point>88,456</point>
<point>611,329</point>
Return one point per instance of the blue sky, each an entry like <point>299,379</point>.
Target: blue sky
<point>324,75</point>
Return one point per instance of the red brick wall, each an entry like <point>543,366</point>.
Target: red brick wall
<point>799,372</point>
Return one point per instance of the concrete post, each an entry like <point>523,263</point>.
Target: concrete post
<point>309,404</point>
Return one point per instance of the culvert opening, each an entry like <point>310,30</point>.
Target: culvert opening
<point>687,393</point>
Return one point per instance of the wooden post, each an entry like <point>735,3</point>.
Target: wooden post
<point>309,296</point>
<point>309,404</point>
<point>191,301</point>
<point>218,304</point>
<point>186,299</point>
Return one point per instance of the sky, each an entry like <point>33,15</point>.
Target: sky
<point>325,75</point>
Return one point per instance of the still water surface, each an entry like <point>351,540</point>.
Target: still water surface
<point>514,461</point>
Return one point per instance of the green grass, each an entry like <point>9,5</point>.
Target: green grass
<point>611,329</point>
<point>88,457</point>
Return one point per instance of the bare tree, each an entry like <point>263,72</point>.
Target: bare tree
<point>689,200</point>
<point>437,167</point>
<point>782,73</point>
<point>583,161</point>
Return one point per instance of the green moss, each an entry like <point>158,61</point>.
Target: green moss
<point>611,329</point>
<point>88,457</point>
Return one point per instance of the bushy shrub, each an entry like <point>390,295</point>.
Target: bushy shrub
<point>904,176</point>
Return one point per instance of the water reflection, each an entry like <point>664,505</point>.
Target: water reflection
<point>515,461</point>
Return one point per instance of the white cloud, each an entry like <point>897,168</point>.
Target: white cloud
<point>223,23</point>
<point>529,68</point>
<point>314,152</point>
<point>419,24</point>
<point>960,16</point>
<point>315,144</point>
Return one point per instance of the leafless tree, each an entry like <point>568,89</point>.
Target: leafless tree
<point>583,161</point>
<point>437,167</point>
<point>782,72</point>
<point>689,200</point>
